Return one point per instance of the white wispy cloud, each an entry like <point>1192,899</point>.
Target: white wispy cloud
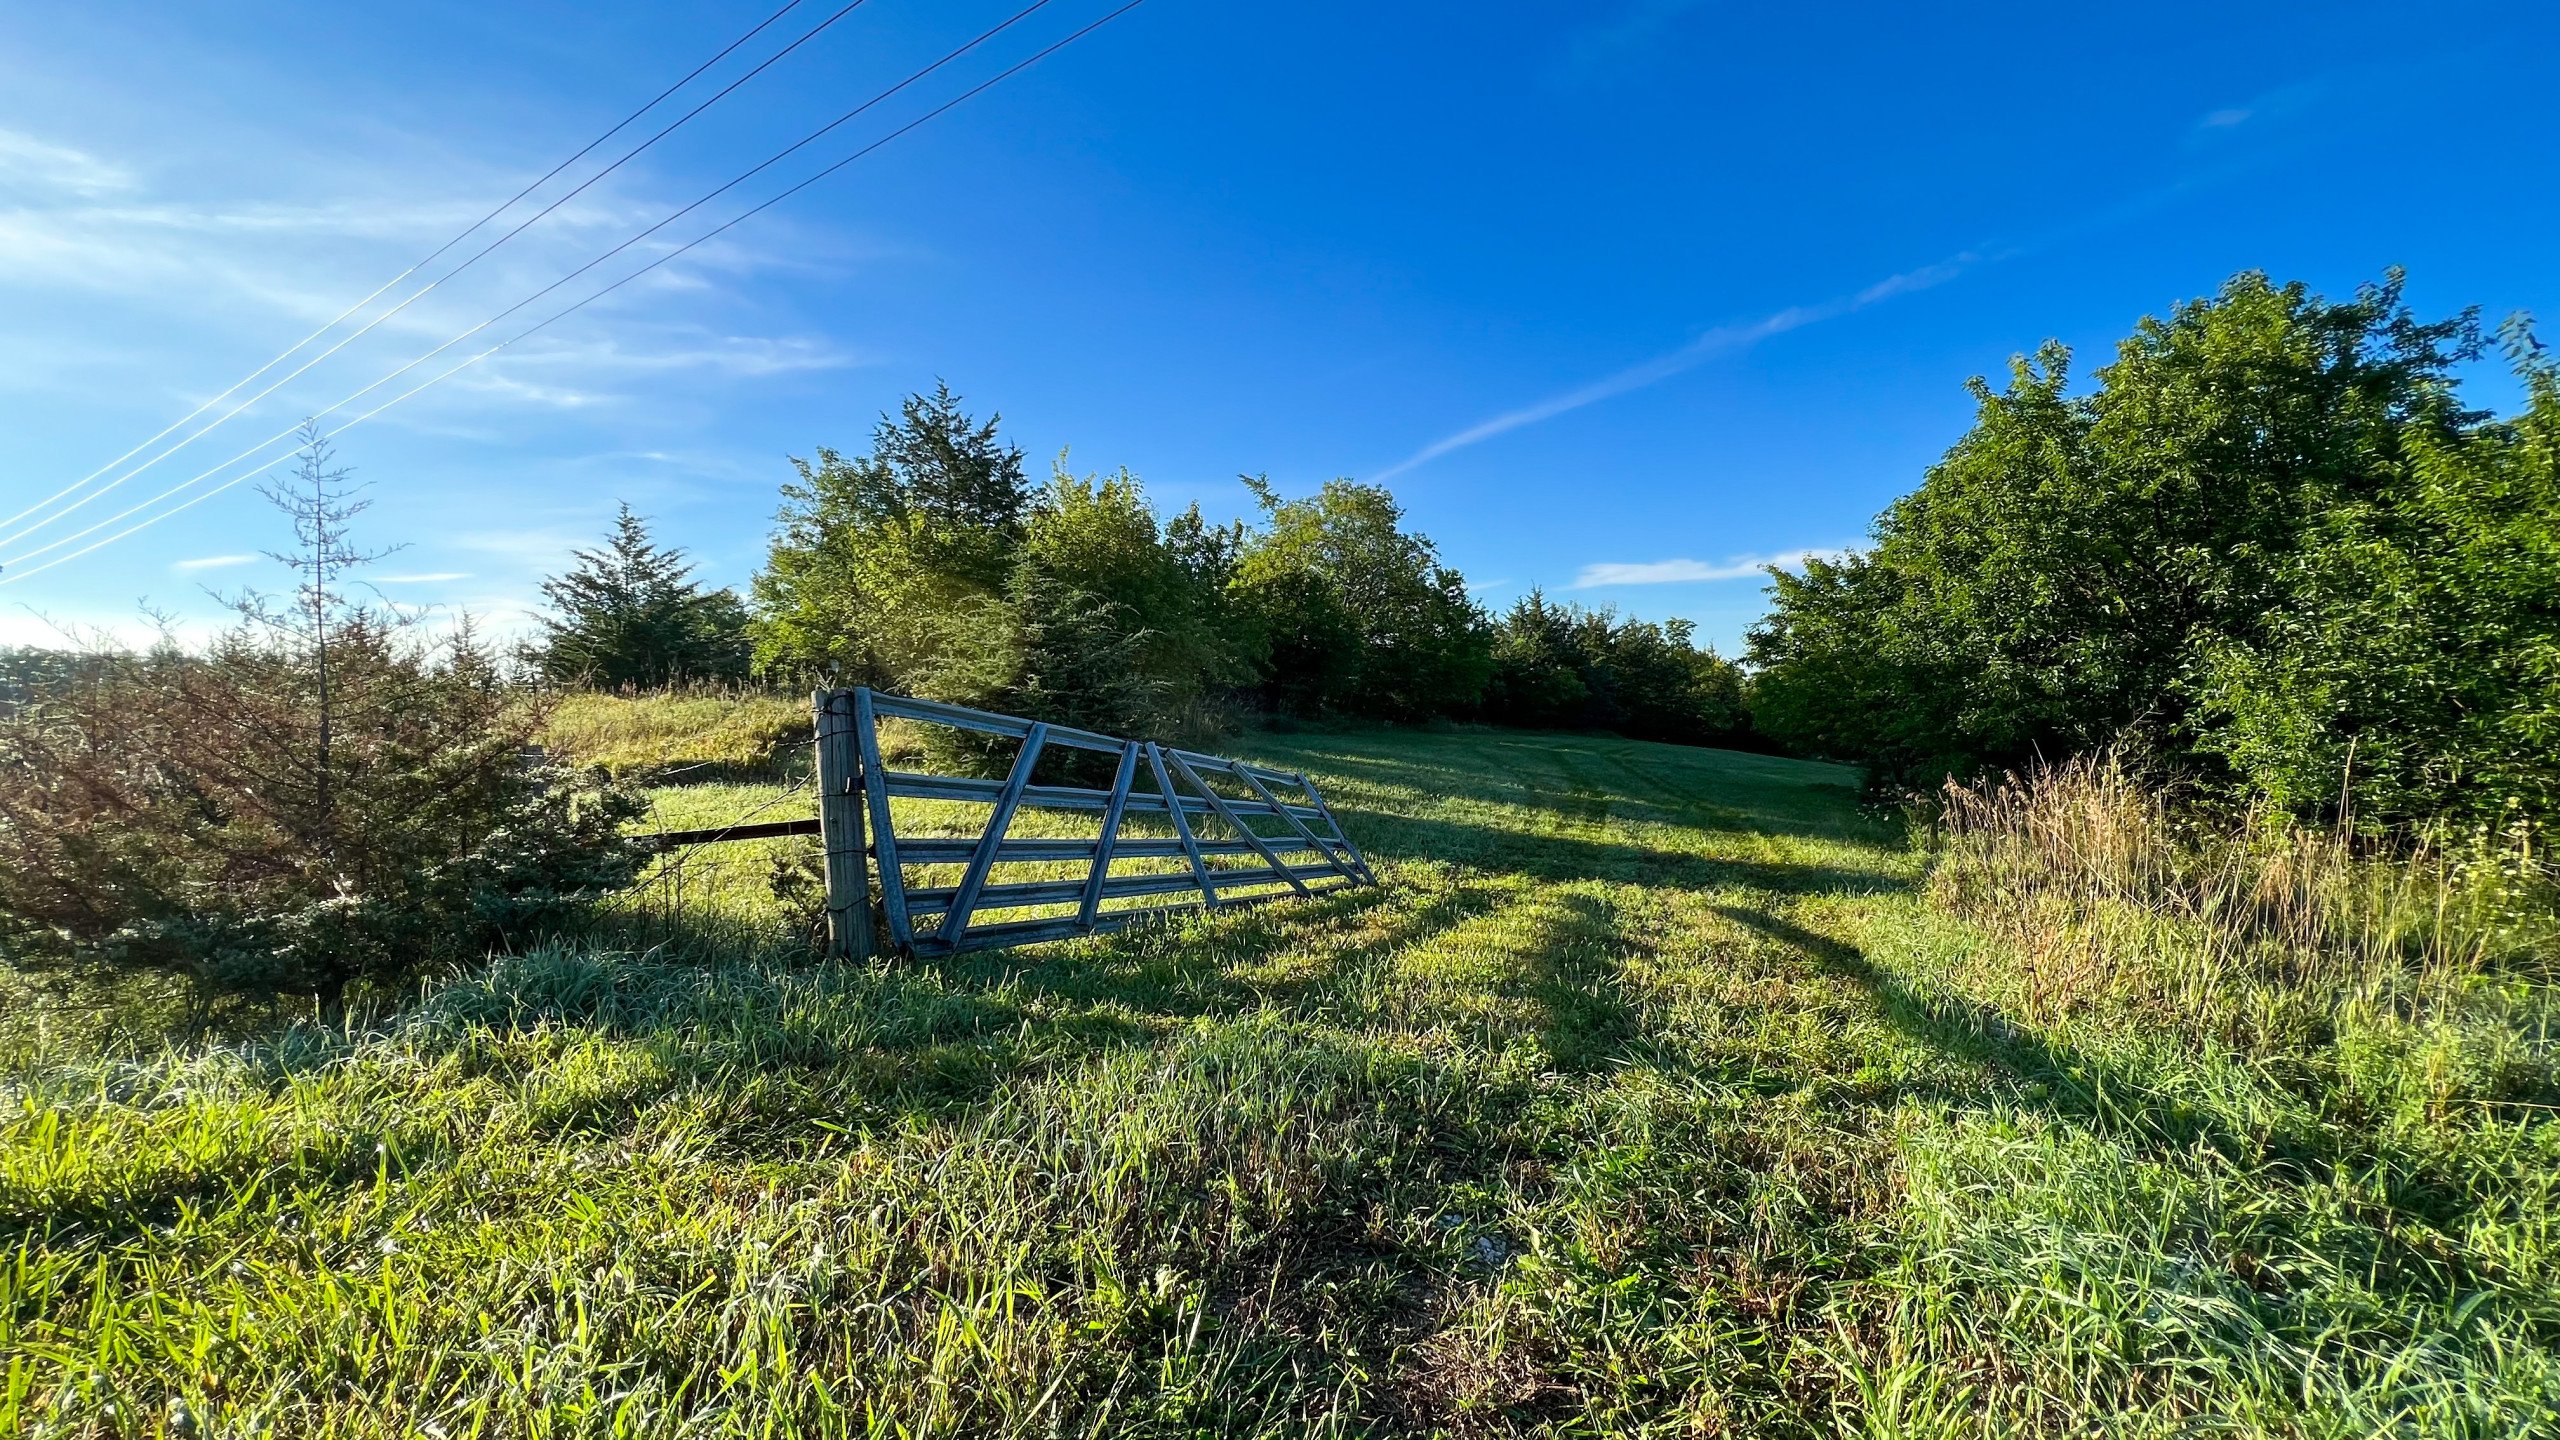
<point>262,270</point>
<point>214,562</point>
<point>1723,340</point>
<point>30,162</point>
<point>99,628</point>
<point>532,547</point>
<point>2257,112</point>
<point>1690,572</point>
<point>430,577</point>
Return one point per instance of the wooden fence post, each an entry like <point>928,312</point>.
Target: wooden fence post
<point>840,797</point>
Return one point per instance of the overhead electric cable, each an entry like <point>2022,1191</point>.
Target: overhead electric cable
<point>983,37</point>
<point>971,93</point>
<point>377,321</point>
<point>430,258</point>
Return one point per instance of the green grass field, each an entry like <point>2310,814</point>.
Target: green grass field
<point>1657,1092</point>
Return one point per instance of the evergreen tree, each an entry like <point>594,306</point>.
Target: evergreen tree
<point>315,799</point>
<point>320,624</point>
<point>874,555</point>
<point>949,470</point>
<point>630,613</point>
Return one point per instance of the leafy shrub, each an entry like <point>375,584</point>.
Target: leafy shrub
<point>2269,537</point>
<point>1111,621</point>
<point>2416,669</point>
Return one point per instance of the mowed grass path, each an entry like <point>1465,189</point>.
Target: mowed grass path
<point>1648,1096</point>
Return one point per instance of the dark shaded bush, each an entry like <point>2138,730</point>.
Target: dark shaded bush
<point>1562,667</point>
<point>318,799</point>
<point>630,614</point>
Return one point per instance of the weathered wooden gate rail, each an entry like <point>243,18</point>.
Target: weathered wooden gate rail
<point>1303,852</point>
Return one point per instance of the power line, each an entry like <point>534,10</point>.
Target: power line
<point>806,140</point>
<point>465,233</point>
<point>948,105</point>
<point>376,322</point>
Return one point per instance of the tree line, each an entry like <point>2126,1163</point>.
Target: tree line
<point>932,565</point>
<point>325,797</point>
<point>2272,546</point>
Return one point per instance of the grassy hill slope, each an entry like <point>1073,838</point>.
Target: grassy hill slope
<point>1650,1095</point>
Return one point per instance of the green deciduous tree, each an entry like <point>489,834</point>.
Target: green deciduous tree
<point>1561,666</point>
<point>1356,614</point>
<point>928,566</point>
<point>874,555</point>
<point>2414,668</point>
<point>1109,620</point>
<point>2061,574</point>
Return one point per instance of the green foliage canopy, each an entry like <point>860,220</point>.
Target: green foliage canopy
<point>2414,669</point>
<point>1563,667</point>
<point>926,566</point>
<point>2270,532</point>
<point>1357,614</point>
<point>874,556</point>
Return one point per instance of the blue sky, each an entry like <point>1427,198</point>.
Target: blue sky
<point>1619,296</point>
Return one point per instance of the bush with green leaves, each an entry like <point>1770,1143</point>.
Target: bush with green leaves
<point>2415,669</point>
<point>2270,534</point>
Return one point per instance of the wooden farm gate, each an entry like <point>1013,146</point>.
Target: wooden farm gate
<point>1189,830</point>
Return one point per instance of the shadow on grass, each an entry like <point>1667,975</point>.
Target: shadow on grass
<point>929,1039</point>
<point>2058,1078</point>
<point>2396,1259</point>
<point>1566,858</point>
<point>1713,790</point>
<point>1578,987</point>
<point>1178,969</point>
<point>739,1016</point>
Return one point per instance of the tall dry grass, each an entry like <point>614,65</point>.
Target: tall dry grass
<point>694,735</point>
<point>2111,893</point>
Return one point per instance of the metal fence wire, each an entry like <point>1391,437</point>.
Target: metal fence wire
<point>1175,830</point>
